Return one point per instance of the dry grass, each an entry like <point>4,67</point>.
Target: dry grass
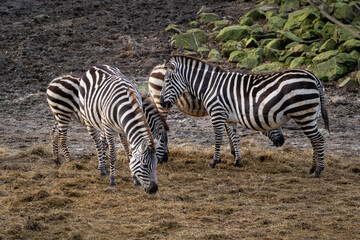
<point>272,197</point>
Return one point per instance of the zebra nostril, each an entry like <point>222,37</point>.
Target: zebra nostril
<point>152,189</point>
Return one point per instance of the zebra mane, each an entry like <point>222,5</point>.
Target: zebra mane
<point>215,67</point>
<point>150,102</point>
<point>140,110</point>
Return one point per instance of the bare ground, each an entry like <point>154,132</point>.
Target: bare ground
<point>271,198</point>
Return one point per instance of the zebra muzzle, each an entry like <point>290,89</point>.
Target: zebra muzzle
<point>165,104</point>
<point>152,189</point>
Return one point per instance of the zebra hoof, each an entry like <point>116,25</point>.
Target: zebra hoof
<point>238,164</point>
<point>112,185</point>
<point>103,174</point>
<point>212,165</point>
<point>312,170</point>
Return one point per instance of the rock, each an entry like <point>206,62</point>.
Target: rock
<point>310,34</point>
<point>338,100</point>
<point>203,50</point>
<point>297,62</point>
<point>358,76</point>
<point>208,17</point>
<point>237,56</point>
<point>186,41</point>
<point>194,24</point>
<point>344,13</point>
<point>318,24</point>
<point>287,54</point>
<point>268,68</point>
<point>260,35</point>
<point>271,54</point>
<point>322,57</point>
<point>314,47</point>
<point>300,48</point>
<point>288,37</point>
<point>265,42</point>
<point>328,45</point>
<point>351,45</point>
<point>191,39</point>
<point>341,35</point>
<point>268,14</point>
<point>234,32</point>
<point>219,24</point>
<point>249,62</point>
<point>335,67</point>
<point>214,54</point>
<point>255,14</point>
<point>274,44</point>
<point>251,43</point>
<point>199,34</point>
<point>231,46</point>
<point>41,18</point>
<point>290,45</point>
<point>348,82</point>
<point>173,28</point>
<point>190,53</point>
<point>328,30</point>
<point>256,52</point>
<point>289,5</point>
<point>275,23</point>
<point>246,21</point>
<point>300,18</point>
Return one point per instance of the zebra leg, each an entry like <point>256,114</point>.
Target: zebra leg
<point>276,136</point>
<point>234,135</point>
<point>54,134</point>
<point>317,142</point>
<point>112,154</point>
<point>125,144</point>
<point>218,125</point>
<point>228,133</point>
<point>63,127</point>
<point>105,148</point>
<point>99,149</point>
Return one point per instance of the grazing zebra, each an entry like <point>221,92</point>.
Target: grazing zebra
<point>190,105</point>
<point>62,97</point>
<point>109,102</point>
<point>259,102</point>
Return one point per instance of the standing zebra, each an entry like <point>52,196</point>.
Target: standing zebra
<point>190,105</point>
<point>259,102</point>
<point>62,97</point>
<point>109,102</point>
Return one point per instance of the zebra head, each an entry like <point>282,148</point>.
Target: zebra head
<point>175,83</point>
<point>161,143</point>
<point>143,164</point>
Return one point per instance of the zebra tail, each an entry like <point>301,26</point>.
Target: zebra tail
<point>324,112</point>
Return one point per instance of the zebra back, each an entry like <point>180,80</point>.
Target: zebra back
<point>187,103</point>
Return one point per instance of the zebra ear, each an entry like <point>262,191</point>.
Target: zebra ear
<point>144,145</point>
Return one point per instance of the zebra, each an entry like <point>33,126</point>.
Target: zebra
<point>260,102</point>
<point>190,105</point>
<point>63,100</point>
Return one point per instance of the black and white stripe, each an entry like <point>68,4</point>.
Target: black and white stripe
<point>190,105</point>
<point>62,97</point>
<point>259,102</point>
<point>110,103</point>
